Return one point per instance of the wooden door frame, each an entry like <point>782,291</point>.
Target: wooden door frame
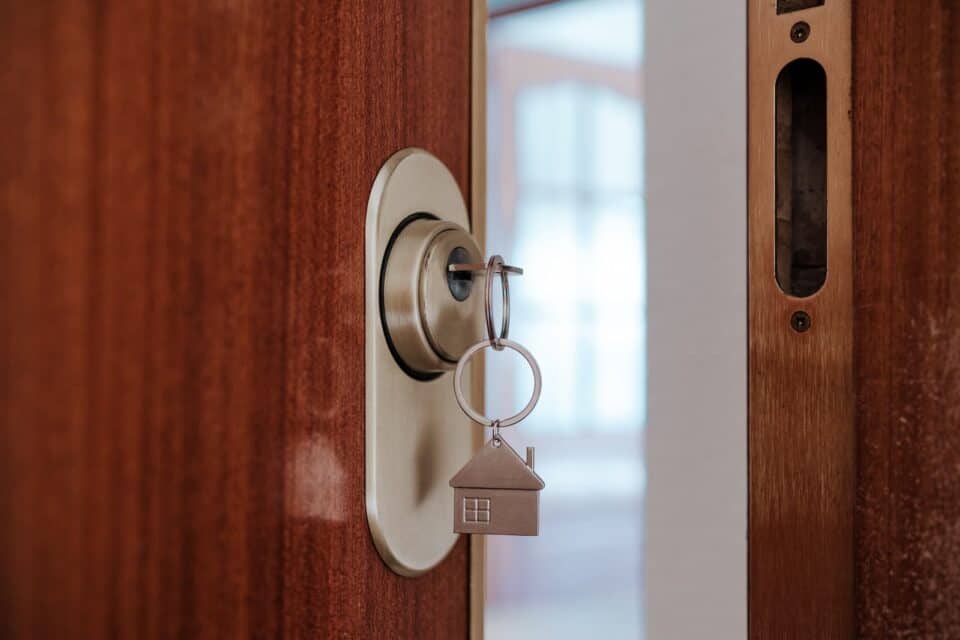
<point>878,491</point>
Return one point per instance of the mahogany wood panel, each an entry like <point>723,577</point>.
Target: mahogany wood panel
<point>801,449</point>
<point>907,274</point>
<point>183,188</point>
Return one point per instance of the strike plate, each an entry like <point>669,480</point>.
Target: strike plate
<point>417,437</point>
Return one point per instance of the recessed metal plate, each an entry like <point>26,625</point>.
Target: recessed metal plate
<point>416,436</point>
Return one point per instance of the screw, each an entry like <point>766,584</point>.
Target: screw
<point>800,32</point>
<point>800,321</point>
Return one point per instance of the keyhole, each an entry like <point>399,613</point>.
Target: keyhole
<point>459,282</point>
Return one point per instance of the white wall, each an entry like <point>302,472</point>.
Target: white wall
<point>695,92</point>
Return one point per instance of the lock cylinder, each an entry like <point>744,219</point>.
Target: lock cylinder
<point>429,316</point>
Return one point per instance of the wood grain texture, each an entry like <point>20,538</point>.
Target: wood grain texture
<point>182,195</point>
<point>907,272</point>
<point>800,408</point>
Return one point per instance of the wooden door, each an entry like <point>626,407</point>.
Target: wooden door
<point>182,196</point>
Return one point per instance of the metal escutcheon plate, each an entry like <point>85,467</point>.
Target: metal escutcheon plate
<point>416,436</point>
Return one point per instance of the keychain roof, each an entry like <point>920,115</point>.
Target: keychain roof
<point>498,466</point>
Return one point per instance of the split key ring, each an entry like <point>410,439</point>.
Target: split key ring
<point>495,265</point>
<point>479,417</point>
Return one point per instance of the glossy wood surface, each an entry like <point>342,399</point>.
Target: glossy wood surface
<point>801,448</point>
<point>182,196</point>
<point>907,274</point>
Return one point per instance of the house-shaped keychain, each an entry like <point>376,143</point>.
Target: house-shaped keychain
<point>497,492</point>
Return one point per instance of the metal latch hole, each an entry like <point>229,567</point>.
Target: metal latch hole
<point>801,178</point>
<point>459,282</point>
<point>789,6</point>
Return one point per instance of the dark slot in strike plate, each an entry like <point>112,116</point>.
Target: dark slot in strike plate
<point>789,6</point>
<point>801,178</point>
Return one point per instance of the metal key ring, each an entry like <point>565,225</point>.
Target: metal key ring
<point>479,417</point>
<point>494,265</point>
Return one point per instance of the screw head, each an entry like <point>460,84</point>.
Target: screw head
<point>799,32</point>
<point>800,321</point>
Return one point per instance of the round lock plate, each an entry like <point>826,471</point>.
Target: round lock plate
<point>416,436</point>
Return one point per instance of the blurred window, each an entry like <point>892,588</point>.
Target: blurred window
<point>565,201</point>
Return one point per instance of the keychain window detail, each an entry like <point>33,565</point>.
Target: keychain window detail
<point>476,510</point>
